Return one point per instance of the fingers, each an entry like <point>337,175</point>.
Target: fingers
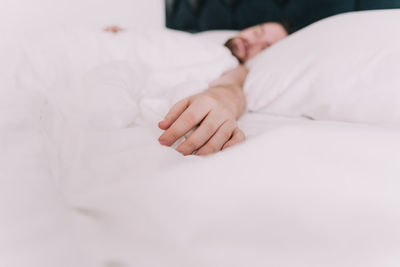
<point>237,137</point>
<point>219,139</point>
<point>174,114</point>
<point>217,126</point>
<point>190,117</point>
<point>202,134</point>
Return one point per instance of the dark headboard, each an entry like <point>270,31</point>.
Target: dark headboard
<point>201,15</point>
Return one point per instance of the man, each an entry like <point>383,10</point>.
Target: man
<point>213,114</point>
<point>216,110</point>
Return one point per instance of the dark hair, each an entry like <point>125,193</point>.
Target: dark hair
<point>230,45</point>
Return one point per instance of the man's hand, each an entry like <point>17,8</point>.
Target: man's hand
<point>217,125</point>
<point>214,113</point>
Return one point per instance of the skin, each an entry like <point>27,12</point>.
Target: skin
<point>215,112</point>
<point>113,29</point>
<point>251,41</point>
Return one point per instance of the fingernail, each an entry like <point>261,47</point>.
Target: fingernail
<point>162,141</point>
<point>164,122</point>
<point>180,150</point>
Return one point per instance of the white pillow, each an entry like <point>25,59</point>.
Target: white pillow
<point>346,68</point>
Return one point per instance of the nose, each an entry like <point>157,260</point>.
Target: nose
<point>260,45</point>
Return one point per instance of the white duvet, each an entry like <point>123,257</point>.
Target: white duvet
<point>84,181</point>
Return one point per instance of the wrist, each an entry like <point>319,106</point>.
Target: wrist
<point>231,97</point>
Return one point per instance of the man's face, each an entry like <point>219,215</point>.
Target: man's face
<point>251,41</point>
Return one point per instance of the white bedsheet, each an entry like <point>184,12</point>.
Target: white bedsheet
<point>300,194</point>
<point>84,181</point>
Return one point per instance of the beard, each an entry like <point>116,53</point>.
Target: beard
<point>233,47</point>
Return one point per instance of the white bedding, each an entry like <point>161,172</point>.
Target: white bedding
<point>343,68</point>
<point>84,181</point>
<point>17,15</point>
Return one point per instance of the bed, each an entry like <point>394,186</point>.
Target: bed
<point>84,181</point>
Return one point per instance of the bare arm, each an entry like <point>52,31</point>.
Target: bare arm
<point>215,111</point>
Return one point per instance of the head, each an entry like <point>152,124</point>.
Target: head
<point>251,41</point>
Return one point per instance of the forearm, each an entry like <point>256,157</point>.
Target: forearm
<point>236,76</point>
<point>228,89</point>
